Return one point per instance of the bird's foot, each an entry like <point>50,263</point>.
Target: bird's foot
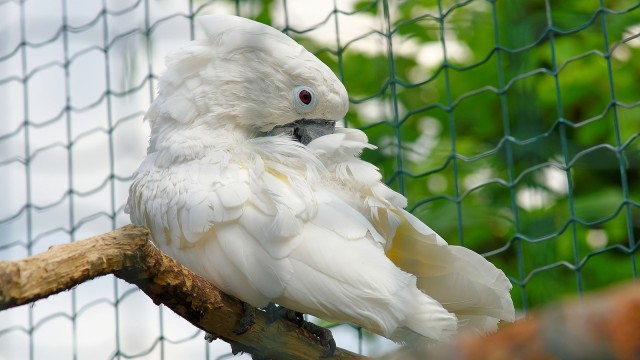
<point>247,320</point>
<point>275,312</point>
<point>324,335</point>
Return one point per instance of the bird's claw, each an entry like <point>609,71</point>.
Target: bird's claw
<point>247,320</point>
<point>275,312</point>
<point>324,335</point>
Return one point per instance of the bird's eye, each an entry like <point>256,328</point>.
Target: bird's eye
<point>305,98</point>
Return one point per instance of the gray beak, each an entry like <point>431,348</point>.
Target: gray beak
<point>304,130</point>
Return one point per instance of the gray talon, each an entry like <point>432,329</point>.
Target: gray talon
<point>324,336</point>
<point>275,312</point>
<point>247,320</point>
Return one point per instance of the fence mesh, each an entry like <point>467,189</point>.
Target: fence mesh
<point>511,127</point>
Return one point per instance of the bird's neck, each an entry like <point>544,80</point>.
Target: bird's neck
<point>179,143</point>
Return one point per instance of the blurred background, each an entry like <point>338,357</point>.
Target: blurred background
<point>512,128</point>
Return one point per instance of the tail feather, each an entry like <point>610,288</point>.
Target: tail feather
<point>463,281</point>
<point>427,320</point>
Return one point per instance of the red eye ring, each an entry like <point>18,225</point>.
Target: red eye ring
<point>305,97</point>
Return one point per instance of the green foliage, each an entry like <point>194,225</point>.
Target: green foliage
<point>521,142</point>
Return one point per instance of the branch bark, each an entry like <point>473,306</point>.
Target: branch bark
<point>128,254</point>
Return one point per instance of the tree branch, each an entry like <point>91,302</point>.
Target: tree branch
<point>128,254</point>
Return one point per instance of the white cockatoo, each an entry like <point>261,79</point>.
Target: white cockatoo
<point>247,183</point>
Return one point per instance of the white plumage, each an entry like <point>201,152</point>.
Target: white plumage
<point>268,219</point>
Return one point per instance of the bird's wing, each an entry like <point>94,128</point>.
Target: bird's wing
<point>463,281</point>
<point>266,232</point>
<point>342,273</point>
<point>231,218</point>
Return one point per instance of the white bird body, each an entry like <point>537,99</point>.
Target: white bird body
<point>270,220</point>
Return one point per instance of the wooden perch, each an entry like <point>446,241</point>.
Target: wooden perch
<point>128,254</point>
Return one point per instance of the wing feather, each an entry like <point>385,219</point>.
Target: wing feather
<point>343,220</point>
<point>227,216</point>
<point>267,274</point>
<point>463,281</point>
<point>351,279</point>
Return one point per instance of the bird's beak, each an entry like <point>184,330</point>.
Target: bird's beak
<point>304,130</point>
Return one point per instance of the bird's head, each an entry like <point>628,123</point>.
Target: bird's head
<point>249,76</point>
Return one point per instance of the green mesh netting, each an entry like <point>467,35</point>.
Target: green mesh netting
<point>511,127</point>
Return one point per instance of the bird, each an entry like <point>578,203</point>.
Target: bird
<point>251,181</point>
